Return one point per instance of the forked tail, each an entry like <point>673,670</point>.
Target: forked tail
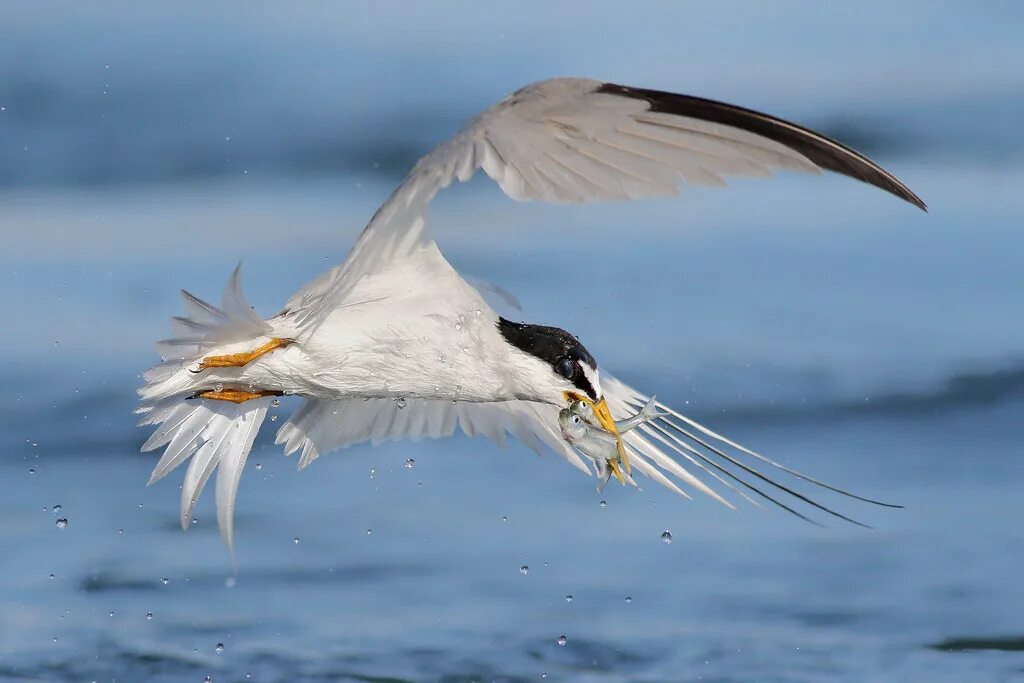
<point>216,435</point>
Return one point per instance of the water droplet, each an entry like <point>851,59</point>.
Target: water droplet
<point>524,569</point>
<point>628,599</point>
<point>62,522</point>
<point>219,649</point>
<point>120,532</point>
<point>52,576</point>
<point>401,402</point>
<point>373,472</point>
<point>208,679</point>
<point>219,386</point>
<point>149,616</point>
<point>603,504</point>
<point>410,463</point>
<point>296,540</point>
<point>568,598</point>
<point>562,640</point>
<point>165,581</point>
<point>369,531</point>
<point>111,613</point>
<point>32,470</point>
<point>259,466</point>
<point>273,418</point>
<point>57,509</point>
<point>666,536</point>
<point>504,518</point>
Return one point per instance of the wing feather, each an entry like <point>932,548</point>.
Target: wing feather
<point>693,442</point>
<point>669,449</point>
<point>580,140</point>
<point>320,426</point>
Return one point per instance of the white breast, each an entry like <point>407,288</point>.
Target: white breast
<point>414,330</point>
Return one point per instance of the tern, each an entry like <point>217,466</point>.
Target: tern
<point>395,344</point>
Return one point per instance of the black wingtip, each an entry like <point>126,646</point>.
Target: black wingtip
<point>819,149</point>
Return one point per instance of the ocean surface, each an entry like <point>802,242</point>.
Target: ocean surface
<point>818,320</point>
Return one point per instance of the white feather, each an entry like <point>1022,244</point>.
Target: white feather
<point>321,426</point>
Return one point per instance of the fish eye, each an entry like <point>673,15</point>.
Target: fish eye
<point>576,419</point>
<point>566,367</point>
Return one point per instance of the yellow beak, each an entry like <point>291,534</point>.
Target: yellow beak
<point>604,418</point>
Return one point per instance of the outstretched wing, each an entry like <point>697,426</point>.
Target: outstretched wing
<point>718,459</point>
<point>579,140</point>
<point>669,449</point>
<point>320,426</point>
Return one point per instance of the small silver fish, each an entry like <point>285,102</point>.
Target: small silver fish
<point>646,414</point>
<point>597,444</point>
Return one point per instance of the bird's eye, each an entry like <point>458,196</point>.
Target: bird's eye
<point>566,368</point>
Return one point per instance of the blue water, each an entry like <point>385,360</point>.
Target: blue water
<point>146,149</point>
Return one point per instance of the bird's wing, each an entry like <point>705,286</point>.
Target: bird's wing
<point>320,426</point>
<point>579,140</point>
<point>669,449</point>
<point>700,453</point>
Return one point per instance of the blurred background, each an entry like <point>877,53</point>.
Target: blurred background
<point>145,148</point>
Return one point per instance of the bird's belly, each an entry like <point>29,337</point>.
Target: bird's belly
<point>401,351</point>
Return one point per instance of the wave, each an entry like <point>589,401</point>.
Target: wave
<point>71,120</point>
<point>975,643</point>
<point>67,138</point>
<point>958,391</point>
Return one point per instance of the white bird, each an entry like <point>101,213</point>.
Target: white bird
<point>395,344</point>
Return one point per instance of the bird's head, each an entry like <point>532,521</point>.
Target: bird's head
<point>552,366</point>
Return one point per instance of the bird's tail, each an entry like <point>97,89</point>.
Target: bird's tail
<point>214,434</point>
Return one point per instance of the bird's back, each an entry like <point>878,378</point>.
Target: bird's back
<point>414,328</point>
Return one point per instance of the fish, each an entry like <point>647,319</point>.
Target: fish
<point>580,429</point>
<point>646,414</point>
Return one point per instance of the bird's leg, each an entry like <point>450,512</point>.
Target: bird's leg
<point>236,395</point>
<point>238,360</point>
